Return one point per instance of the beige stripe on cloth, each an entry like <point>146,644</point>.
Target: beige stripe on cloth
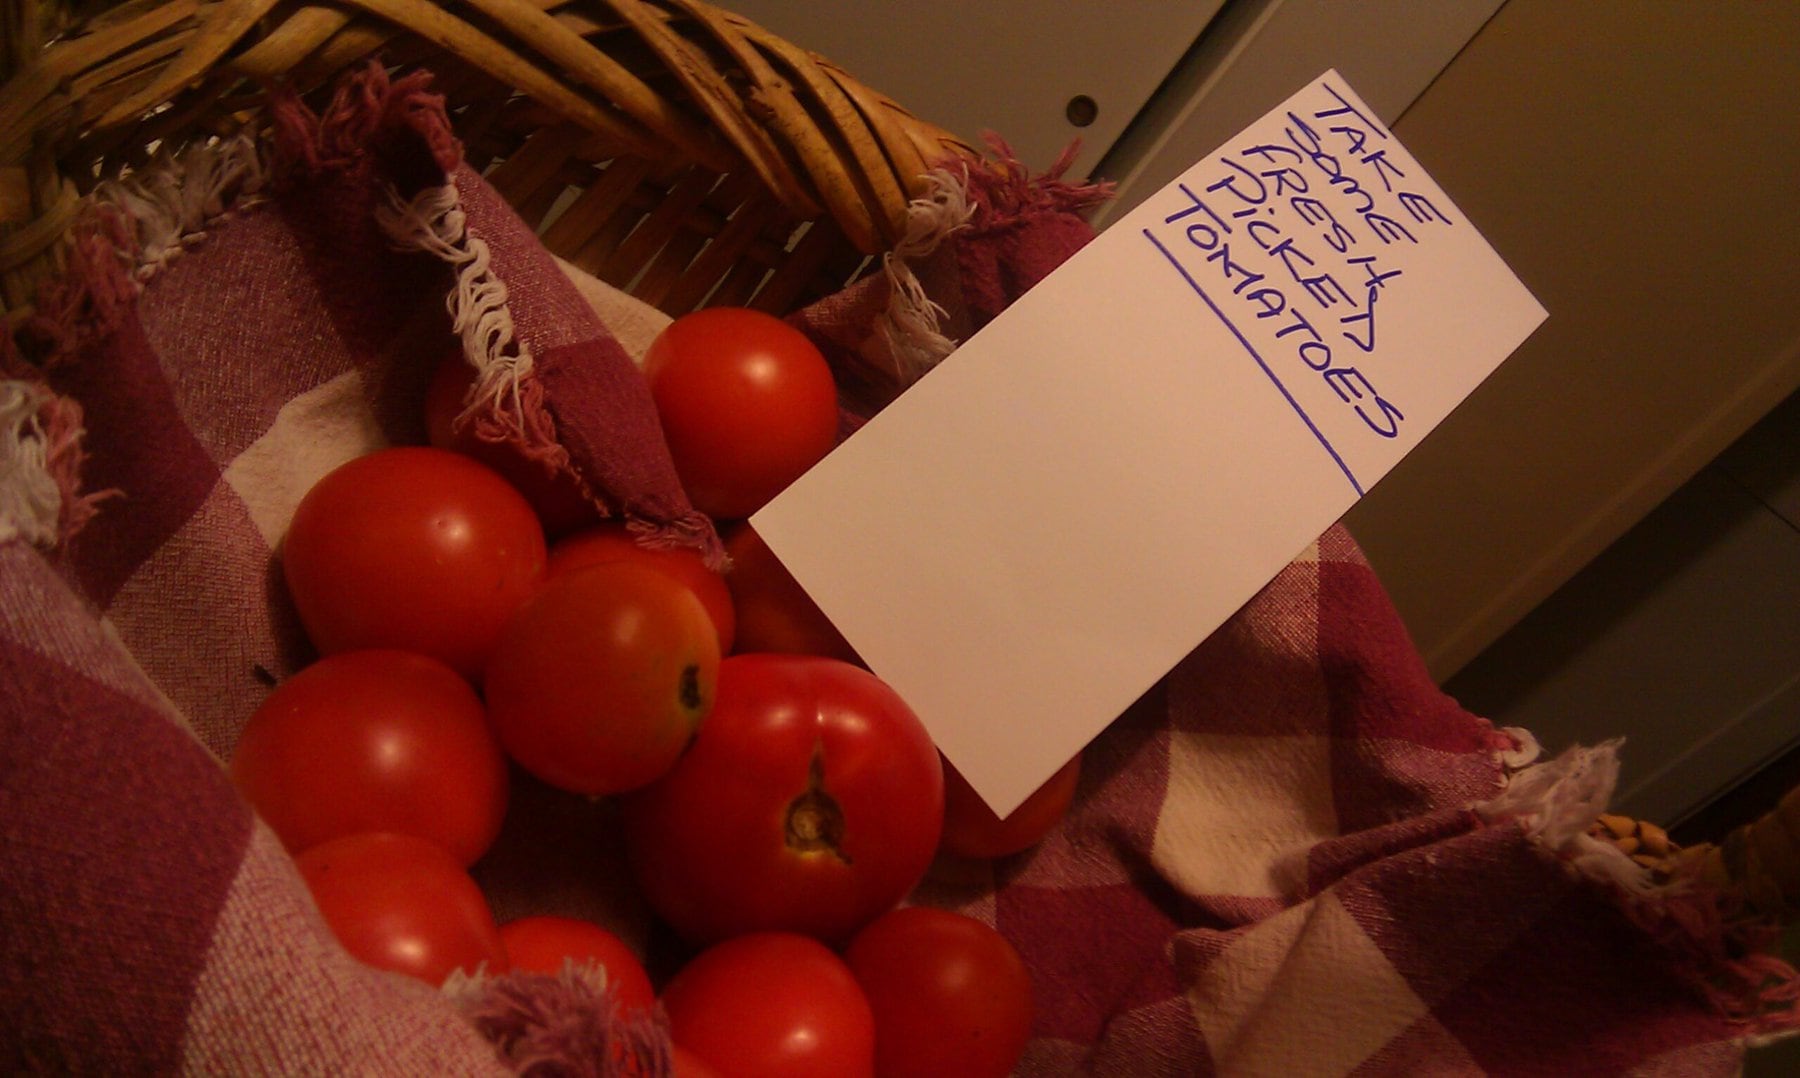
<point>278,996</point>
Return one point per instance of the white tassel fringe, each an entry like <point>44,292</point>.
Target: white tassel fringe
<point>172,204</point>
<point>911,329</point>
<point>1558,800</point>
<point>433,221</point>
<point>30,501</point>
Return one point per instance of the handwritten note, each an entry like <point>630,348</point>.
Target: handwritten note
<point>1071,502</point>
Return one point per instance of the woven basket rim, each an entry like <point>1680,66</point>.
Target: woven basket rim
<point>668,88</point>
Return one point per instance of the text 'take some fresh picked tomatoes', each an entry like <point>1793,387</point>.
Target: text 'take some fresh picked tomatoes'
<point>598,683</point>
<point>747,404</point>
<point>374,740</point>
<point>951,997</point>
<point>810,801</point>
<point>412,548</point>
<point>772,1005</point>
<point>402,904</point>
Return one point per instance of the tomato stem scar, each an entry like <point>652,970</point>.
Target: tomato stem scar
<point>690,687</point>
<point>815,822</point>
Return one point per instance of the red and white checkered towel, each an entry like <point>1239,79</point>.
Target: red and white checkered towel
<point>1293,856</point>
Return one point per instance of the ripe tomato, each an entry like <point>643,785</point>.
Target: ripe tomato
<point>401,903</point>
<point>542,944</point>
<point>951,997</point>
<point>598,683</point>
<point>689,1065</point>
<point>972,830</point>
<point>374,741</point>
<point>746,402</point>
<point>810,801</point>
<point>774,613</point>
<point>772,1004</point>
<point>555,496</point>
<point>613,542</point>
<point>412,548</point>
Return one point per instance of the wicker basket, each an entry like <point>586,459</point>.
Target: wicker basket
<point>670,148</point>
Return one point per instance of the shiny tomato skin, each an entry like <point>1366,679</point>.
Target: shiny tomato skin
<point>605,543</point>
<point>598,683</point>
<point>402,904</point>
<point>376,740</point>
<point>747,404</point>
<point>811,801</point>
<point>412,548</point>
<point>555,496</point>
<point>951,997</point>
<point>542,943</point>
<point>689,1065</point>
<point>773,611</point>
<point>772,1005</point>
<point>972,830</point>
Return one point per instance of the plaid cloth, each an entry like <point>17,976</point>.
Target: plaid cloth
<point>1293,856</point>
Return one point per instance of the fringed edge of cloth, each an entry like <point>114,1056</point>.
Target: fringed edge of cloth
<point>566,1023</point>
<point>40,466</point>
<point>910,329</point>
<point>1723,952</point>
<point>132,228</point>
<point>1006,193</point>
<point>507,400</point>
<point>999,194</point>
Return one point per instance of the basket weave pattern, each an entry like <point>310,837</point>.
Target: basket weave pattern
<point>672,149</point>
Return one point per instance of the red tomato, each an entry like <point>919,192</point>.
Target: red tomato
<point>597,685</point>
<point>554,496</point>
<point>951,997</point>
<point>772,1004</point>
<point>542,944</point>
<point>747,404</point>
<point>374,741</point>
<point>412,548</point>
<point>614,542</point>
<point>972,830</point>
<point>689,1065</point>
<point>774,613</point>
<point>810,801</point>
<point>402,904</point>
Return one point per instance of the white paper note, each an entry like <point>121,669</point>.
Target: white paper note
<point>1040,528</point>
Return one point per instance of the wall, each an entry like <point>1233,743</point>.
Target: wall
<point>1636,164</point>
<point>1683,637</point>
